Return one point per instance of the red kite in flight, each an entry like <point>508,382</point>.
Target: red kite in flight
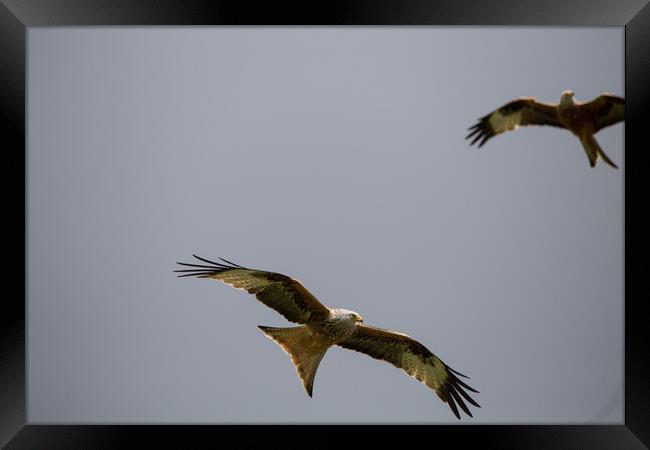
<point>321,327</point>
<point>584,119</point>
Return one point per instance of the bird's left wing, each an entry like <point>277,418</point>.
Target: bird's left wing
<point>520,112</point>
<point>605,110</point>
<point>416,360</point>
<point>284,294</point>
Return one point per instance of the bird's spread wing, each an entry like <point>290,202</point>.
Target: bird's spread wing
<point>520,112</point>
<point>604,110</point>
<point>280,292</point>
<point>416,360</point>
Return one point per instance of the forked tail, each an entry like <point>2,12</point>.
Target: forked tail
<point>305,350</point>
<point>593,149</point>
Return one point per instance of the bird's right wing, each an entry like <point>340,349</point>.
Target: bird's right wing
<point>415,359</point>
<point>280,292</point>
<point>604,110</point>
<point>520,112</point>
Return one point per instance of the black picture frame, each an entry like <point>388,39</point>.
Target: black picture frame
<point>17,15</point>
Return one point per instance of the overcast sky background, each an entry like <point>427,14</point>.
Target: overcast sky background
<point>337,156</point>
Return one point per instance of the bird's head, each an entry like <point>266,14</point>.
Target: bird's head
<point>567,93</point>
<point>567,98</point>
<point>356,317</point>
<point>348,315</point>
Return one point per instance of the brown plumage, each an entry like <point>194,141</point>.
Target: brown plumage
<point>321,327</point>
<point>583,119</point>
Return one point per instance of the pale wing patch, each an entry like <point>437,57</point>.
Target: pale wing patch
<point>277,291</point>
<point>501,123</point>
<point>416,360</point>
<point>433,375</point>
<point>243,279</point>
<point>271,292</point>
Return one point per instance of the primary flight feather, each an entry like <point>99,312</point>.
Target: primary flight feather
<point>321,327</point>
<point>583,119</point>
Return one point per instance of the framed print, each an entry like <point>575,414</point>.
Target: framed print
<point>367,149</point>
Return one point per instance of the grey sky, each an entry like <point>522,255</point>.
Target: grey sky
<point>337,156</point>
